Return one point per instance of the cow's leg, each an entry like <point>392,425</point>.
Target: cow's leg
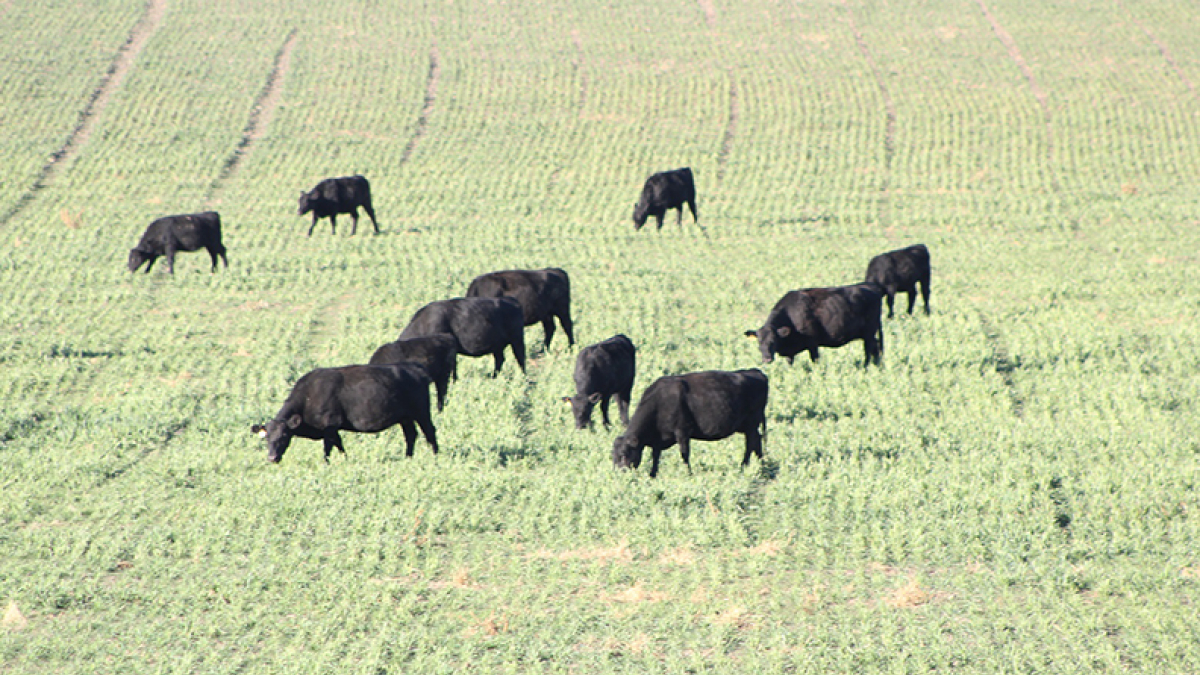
<point>410,436</point>
<point>814,352</point>
<point>871,350</point>
<point>150,264</point>
<point>679,219</point>
<point>441,386</point>
<point>333,223</point>
<point>912,297</point>
<point>212,253</point>
<point>498,355</point>
<point>333,440</point>
<point>925,293</point>
<point>568,327</point>
<point>430,432</point>
<point>548,329</point>
<point>753,446</point>
<point>314,224</point>
<point>518,349</point>
<point>371,212</point>
<point>623,406</point>
<point>658,217</point>
<point>170,255</point>
<point>891,299</point>
<point>655,453</point>
<point>604,411</point>
<point>685,450</point>
<point>692,205</point>
<point>354,221</point>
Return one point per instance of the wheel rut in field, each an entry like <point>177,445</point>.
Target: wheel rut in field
<point>1162,49</point>
<point>324,324</point>
<point>260,115</point>
<point>121,64</point>
<point>750,500</point>
<point>889,136</point>
<point>1004,365</point>
<point>431,85</point>
<point>731,123</point>
<point>1014,53</point>
<point>121,470</point>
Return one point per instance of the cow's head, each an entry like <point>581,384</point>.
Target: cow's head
<point>138,257</point>
<point>308,202</point>
<point>641,210</point>
<point>278,434</point>
<point>769,339</point>
<point>626,453</point>
<point>581,408</point>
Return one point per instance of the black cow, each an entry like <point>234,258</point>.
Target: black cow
<point>479,325</point>
<point>188,232</point>
<point>542,294</point>
<point>899,271</point>
<point>437,354</point>
<point>707,406</point>
<point>809,318</point>
<point>602,370</point>
<point>352,398</point>
<point>662,192</point>
<point>338,195</point>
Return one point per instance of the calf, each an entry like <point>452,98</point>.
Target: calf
<point>189,232</point>
<point>437,354</point>
<point>899,271</point>
<point>367,399</point>
<point>809,318</point>
<point>602,370</point>
<point>479,326</point>
<point>338,195</point>
<point>707,406</point>
<point>662,192</point>
<point>542,294</point>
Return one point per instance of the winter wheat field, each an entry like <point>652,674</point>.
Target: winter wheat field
<point>1015,490</point>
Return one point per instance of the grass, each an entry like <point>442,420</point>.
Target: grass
<point>1013,491</point>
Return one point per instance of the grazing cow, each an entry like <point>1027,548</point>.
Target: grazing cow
<point>338,195</point>
<point>367,399</point>
<point>189,232</point>
<point>479,326</point>
<point>602,370</point>
<point>437,354</point>
<point>707,406</point>
<point>542,294</point>
<point>809,318</point>
<point>662,192</point>
<point>899,271</point>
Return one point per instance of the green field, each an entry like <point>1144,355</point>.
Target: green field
<point>1016,490</point>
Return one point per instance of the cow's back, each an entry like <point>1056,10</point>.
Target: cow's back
<point>606,367</point>
<point>721,403</point>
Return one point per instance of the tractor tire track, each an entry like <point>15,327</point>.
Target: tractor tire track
<point>1004,365</point>
<point>168,436</point>
<point>889,136</point>
<point>260,115</point>
<point>431,86</point>
<point>121,64</point>
<point>1162,49</point>
<point>1014,53</point>
<point>730,129</point>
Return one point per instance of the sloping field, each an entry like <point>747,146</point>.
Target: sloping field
<point>1014,491</point>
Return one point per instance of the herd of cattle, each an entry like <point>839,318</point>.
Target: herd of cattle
<point>393,388</point>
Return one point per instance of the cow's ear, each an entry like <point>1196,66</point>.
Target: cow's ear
<point>751,333</point>
<point>567,400</point>
<point>258,429</point>
<point>783,331</point>
<point>294,421</point>
<point>594,397</point>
